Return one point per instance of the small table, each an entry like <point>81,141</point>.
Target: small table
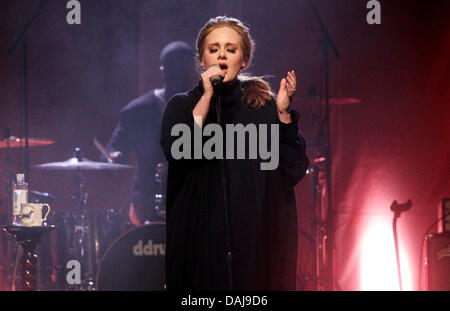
<point>29,238</point>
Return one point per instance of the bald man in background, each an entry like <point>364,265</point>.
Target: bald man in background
<point>139,129</point>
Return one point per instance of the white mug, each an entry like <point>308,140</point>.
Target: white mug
<point>31,214</point>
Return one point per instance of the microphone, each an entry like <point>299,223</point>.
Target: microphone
<point>216,80</point>
<point>399,208</point>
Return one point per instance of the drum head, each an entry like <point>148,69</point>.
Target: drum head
<point>135,261</point>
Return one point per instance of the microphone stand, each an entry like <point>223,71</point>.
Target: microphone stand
<point>21,39</point>
<point>398,209</point>
<point>326,43</point>
<point>229,254</point>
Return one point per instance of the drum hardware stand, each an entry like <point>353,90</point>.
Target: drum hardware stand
<point>83,242</point>
<point>25,121</point>
<point>325,228</point>
<point>160,196</point>
<point>319,225</point>
<point>21,39</point>
<point>82,233</point>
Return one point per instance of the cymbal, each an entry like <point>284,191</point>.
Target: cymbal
<point>84,164</point>
<point>16,142</point>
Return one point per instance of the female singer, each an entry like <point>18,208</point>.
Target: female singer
<point>237,232</point>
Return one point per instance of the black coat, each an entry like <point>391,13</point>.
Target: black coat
<point>262,210</point>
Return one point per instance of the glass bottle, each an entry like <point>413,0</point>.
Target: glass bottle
<point>20,196</point>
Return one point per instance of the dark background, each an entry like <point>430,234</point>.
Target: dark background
<point>392,146</point>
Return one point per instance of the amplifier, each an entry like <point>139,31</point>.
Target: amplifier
<point>444,212</point>
<point>438,261</point>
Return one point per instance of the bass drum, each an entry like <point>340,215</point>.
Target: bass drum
<point>135,261</point>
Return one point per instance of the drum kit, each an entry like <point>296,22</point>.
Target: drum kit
<point>113,253</point>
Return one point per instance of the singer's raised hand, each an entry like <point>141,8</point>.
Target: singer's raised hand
<point>285,96</point>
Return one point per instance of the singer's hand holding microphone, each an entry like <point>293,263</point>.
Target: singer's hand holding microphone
<point>213,75</point>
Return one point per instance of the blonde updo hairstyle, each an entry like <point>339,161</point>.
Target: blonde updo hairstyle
<point>256,90</point>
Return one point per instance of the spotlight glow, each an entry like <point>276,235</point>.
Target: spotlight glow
<point>378,261</point>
